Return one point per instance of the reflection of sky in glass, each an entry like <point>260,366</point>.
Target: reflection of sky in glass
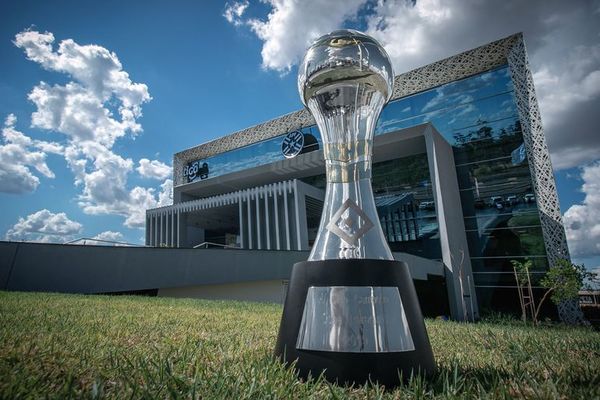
<point>456,106</point>
<point>455,109</point>
<point>265,152</point>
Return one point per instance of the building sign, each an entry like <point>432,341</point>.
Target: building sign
<point>292,144</point>
<point>195,170</point>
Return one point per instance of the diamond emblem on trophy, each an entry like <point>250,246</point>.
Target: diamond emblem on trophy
<point>351,311</point>
<point>350,223</point>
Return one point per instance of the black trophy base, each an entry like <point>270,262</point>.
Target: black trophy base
<point>384,365</point>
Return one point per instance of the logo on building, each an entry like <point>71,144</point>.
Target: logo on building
<point>194,170</point>
<point>292,144</point>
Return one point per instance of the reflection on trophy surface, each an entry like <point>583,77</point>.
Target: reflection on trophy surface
<point>341,330</point>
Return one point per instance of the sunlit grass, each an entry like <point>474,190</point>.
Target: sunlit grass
<point>61,346</point>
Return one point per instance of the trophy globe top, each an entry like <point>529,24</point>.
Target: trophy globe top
<point>345,56</point>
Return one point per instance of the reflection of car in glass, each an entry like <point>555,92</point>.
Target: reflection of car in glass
<point>495,200</point>
<point>427,205</point>
<point>529,198</point>
<point>512,200</point>
<point>479,204</point>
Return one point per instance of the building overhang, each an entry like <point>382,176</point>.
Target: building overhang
<point>389,146</point>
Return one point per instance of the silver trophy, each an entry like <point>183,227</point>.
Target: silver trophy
<point>345,80</point>
<point>351,310</point>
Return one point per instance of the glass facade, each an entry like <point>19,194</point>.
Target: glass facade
<point>478,117</point>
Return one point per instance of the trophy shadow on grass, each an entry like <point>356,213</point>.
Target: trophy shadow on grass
<point>447,379</point>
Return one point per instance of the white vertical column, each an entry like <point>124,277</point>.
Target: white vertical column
<point>451,228</point>
<point>276,214</point>
<point>160,224</point>
<point>178,226</point>
<point>249,216</point>
<point>241,219</point>
<point>172,228</point>
<point>297,215</point>
<point>287,216</point>
<point>149,242</point>
<point>257,192</point>
<point>155,229</point>
<point>149,233</point>
<point>167,228</point>
<point>267,192</point>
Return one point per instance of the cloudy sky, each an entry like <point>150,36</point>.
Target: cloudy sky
<point>95,97</point>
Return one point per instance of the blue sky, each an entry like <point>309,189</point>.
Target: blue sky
<point>211,68</point>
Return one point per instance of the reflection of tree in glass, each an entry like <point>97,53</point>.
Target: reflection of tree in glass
<point>405,174</point>
<point>485,142</point>
<point>532,240</point>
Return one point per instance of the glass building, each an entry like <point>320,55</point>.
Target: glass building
<point>461,176</point>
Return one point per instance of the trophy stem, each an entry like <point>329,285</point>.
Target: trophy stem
<point>350,225</point>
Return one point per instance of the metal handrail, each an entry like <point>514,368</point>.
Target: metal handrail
<point>85,239</point>
<point>225,246</point>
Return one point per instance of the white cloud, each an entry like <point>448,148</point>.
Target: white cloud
<point>99,106</point>
<point>234,12</point>
<point>561,37</point>
<point>106,238</point>
<point>142,199</point>
<point>77,108</point>
<point>18,155</point>
<point>292,25</point>
<point>110,236</point>
<point>153,169</point>
<point>562,40</point>
<point>582,221</point>
<point>105,191</point>
<point>165,196</point>
<point>568,89</point>
<point>80,108</point>
<point>44,226</point>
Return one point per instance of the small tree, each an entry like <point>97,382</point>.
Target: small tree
<point>563,281</point>
<point>524,287</point>
<point>522,271</point>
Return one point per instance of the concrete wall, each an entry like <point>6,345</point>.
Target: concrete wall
<point>272,291</point>
<point>204,273</point>
<point>98,269</point>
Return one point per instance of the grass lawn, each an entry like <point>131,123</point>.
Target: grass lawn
<point>61,346</point>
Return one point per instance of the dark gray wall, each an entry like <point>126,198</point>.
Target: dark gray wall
<point>99,269</point>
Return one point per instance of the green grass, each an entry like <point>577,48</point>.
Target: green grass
<point>61,346</point>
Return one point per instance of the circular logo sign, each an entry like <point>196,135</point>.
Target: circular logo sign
<point>292,144</point>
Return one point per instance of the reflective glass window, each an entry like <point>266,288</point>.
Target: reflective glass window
<point>506,241</point>
<point>261,153</point>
